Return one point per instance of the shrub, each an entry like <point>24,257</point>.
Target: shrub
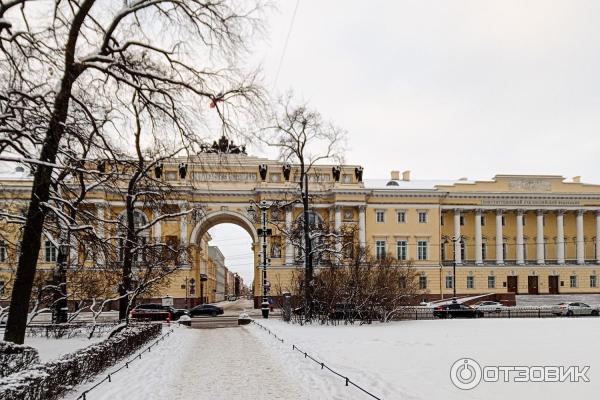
<point>51,380</point>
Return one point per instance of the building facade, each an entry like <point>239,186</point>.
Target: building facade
<point>522,234</point>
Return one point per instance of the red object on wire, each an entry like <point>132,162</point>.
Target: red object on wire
<point>215,100</point>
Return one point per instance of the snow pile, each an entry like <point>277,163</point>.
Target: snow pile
<point>50,380</point>
<point>15,357</point>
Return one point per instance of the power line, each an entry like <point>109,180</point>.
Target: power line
<point>287,38</point>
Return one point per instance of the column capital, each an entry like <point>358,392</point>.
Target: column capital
<point>362,207</point>
<point>457,211</point>
<point>540,211</point>
<point>478,211</point>
<point>520,211</point>
<point>580,212</point>
<point>560,211</point>
<point>500,211</point>
<point>336,207</point>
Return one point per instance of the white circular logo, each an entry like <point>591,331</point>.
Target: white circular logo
<point>465,373</point>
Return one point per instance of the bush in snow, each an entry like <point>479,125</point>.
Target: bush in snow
<point>51,380</point>
<point>16,357</point>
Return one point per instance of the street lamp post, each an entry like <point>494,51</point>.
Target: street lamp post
<point>264,232</point>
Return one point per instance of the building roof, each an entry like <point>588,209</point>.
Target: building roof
<point>424,184</point>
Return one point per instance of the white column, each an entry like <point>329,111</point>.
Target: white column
<point>560,237</point>
<point>338,226</point>
<point>520,253</point>
<point>183,233</point>
<point>457,255</point>
<point>598,236</point>
<point>101,230</point>
<point>478,240</point>
<point>157,228</point>
<point>499,238</point>
<point>289,247</point>
<point>539,239</point>
<point>362,234</point>
<point>580,240</point>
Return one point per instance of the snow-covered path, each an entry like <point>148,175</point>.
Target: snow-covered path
<point>196,364</point>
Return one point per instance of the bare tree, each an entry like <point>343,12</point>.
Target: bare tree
<point>68,62</point>
<point>303,138</point>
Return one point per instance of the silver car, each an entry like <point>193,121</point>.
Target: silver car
<point>489,306</point>
<point>575,308</point>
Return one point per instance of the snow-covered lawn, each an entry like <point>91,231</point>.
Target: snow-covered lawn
<point>412,359</point>
<point>51,348</point>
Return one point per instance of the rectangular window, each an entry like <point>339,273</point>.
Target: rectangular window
<point>401,250</point>
<point>503,220</point>
<point>3,251</point>
<point>422,282</point>
<point>593,281</point>
<point>380,216</point>
<point>2,286</point>
<point>442,220</point>
<point>573,281</point>
<point>462,220</point>
<point>482,220</point>
<point>422,250</point>
<point>401,217</point>
<point>449,282</point>
<point>483,251</point>
<point>470,282</point>
<point>380,249</point>
<point>50,251</point>
<point>491,282</point>
<point>422,217</point>
<point>504,251</point>
<point>402,282</point>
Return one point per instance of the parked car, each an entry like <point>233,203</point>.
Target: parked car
<point>206,309</point>
<point>489,306</point>
<point>456,310</point>
<point>156,312</point>
<point>576,308</point>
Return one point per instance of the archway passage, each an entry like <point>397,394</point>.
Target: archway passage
<point>225,256</point>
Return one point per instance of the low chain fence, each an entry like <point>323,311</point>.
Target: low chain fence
<point>348,381</point>
<point>49,381</point>
<point>69,330</point>
<point>108,377</point>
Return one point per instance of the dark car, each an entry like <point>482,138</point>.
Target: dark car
<point>206,309</point>
<point>156,312</point>
<point>456,310</point>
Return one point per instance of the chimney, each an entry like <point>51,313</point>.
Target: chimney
<point>577,179</point>
<point>406,175</point>
<point>395,176</point>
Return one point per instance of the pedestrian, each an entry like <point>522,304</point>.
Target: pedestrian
<point>271,304</point>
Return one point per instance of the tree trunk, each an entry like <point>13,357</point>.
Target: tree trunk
<point>34,223</point>
<point>308,259</point>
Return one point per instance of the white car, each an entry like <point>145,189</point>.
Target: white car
<point>575,308</point>
<point>489,306</point>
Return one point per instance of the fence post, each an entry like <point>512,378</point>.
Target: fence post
<point>539,313</point>
<point>347,381</point>
<point>109,378</point>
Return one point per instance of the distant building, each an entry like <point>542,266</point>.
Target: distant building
<point>218,260</point>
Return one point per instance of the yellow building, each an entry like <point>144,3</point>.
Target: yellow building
<point>511,234</point>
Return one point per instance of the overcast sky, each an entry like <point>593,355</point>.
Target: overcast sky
<point>447,89</point>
